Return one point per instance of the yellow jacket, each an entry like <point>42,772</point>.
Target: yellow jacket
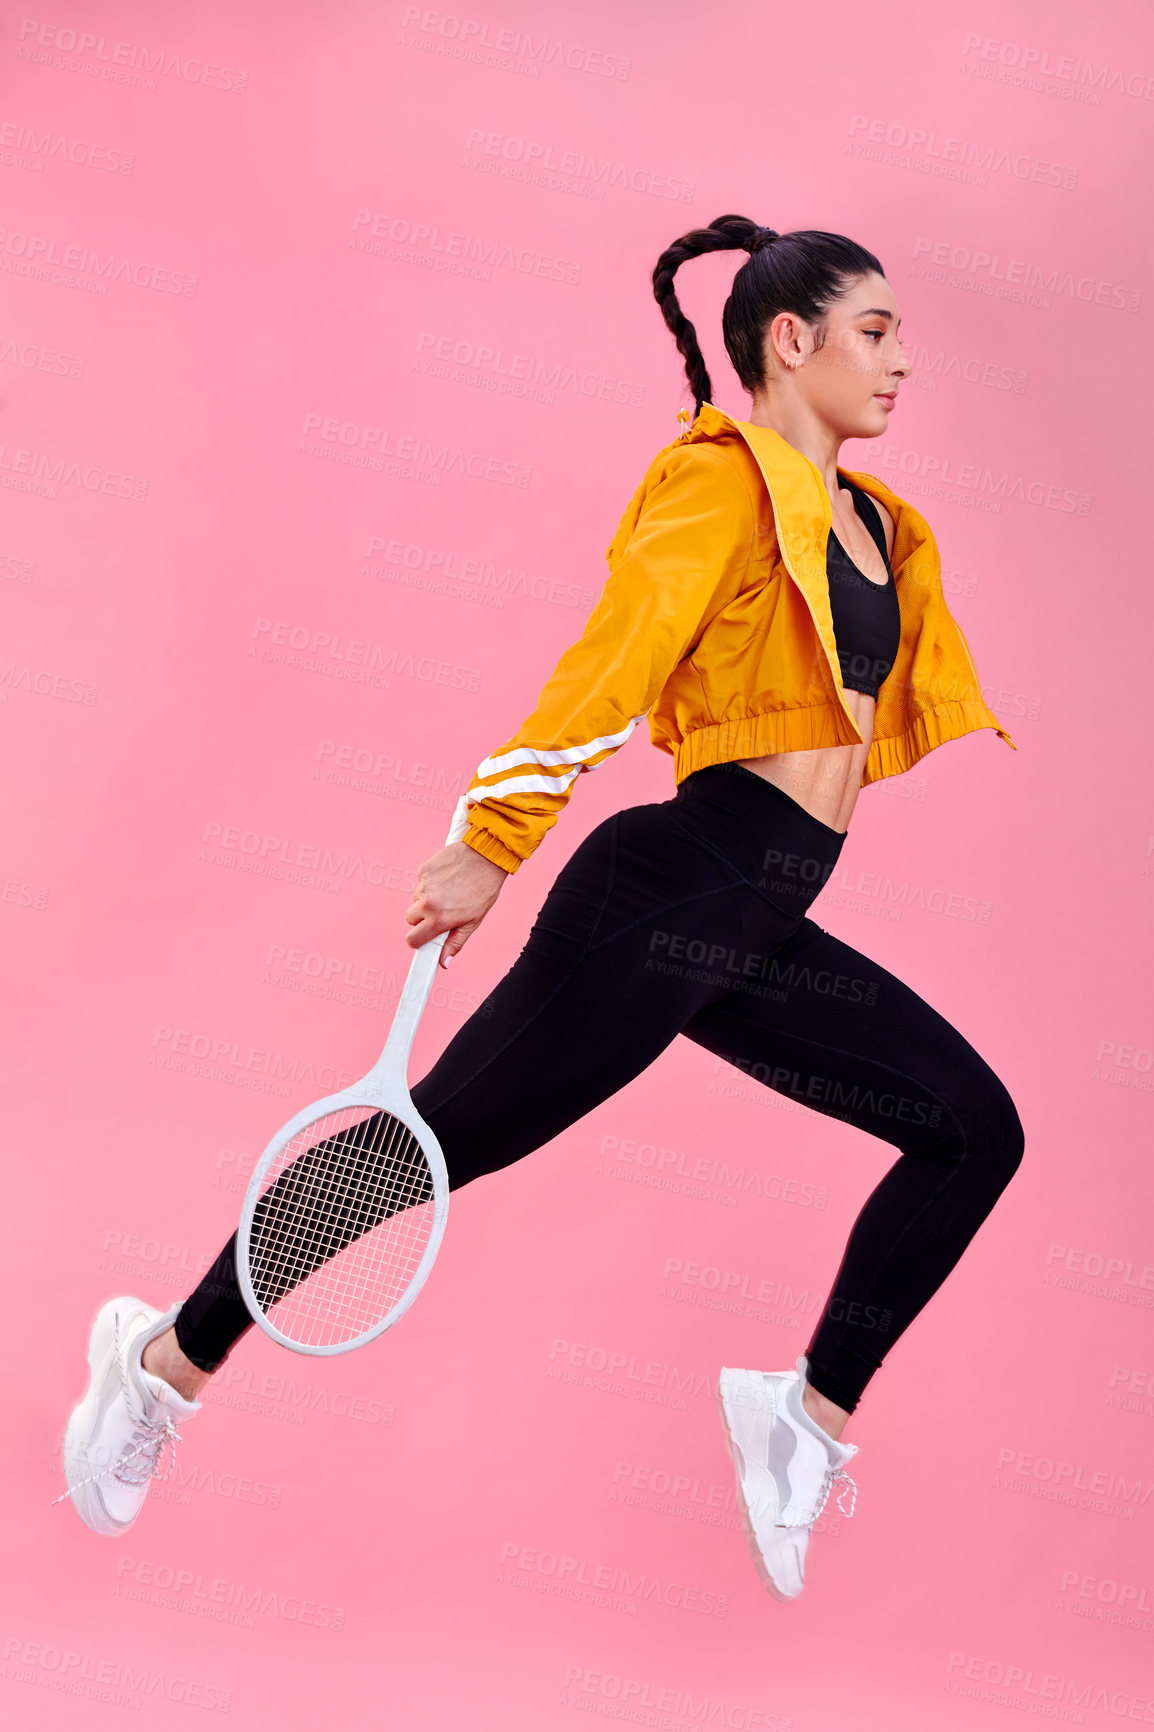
<point>715,621</point>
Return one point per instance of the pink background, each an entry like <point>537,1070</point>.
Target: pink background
<point>191,304</point>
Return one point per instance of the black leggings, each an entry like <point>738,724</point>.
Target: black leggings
<point>689,917</point>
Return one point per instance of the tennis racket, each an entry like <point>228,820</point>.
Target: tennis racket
<point>346,1208</point>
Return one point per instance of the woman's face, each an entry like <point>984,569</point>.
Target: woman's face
<point>851,380</point>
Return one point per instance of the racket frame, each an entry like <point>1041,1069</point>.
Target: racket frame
<point>383,1088</point>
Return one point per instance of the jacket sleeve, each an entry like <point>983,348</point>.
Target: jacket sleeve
<point>680,553</point>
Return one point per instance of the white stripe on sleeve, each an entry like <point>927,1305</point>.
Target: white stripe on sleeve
<point>523,785</point>
<point>566,755</point>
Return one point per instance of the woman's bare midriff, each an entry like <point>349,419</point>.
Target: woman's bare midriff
<point>825,783</point>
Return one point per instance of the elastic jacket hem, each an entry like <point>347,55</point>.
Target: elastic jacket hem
<point>484,842</point>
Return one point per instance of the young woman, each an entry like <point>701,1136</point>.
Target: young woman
<point>781,622</point>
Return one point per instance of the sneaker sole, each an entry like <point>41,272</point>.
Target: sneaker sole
<point>86,1498</point>
<point>759,1562</point>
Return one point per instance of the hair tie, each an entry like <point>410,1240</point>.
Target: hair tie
<point>762,237</point>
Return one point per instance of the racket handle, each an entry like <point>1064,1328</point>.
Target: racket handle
<point>419,980</point>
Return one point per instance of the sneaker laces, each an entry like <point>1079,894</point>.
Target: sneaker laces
<point>831,1478</point>
<point>848,1484</point>
<point>155,1437</point>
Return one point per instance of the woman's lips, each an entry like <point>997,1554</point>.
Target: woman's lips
<point>889,398</point>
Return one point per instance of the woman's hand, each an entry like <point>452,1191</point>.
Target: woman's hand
<point>455,890</point>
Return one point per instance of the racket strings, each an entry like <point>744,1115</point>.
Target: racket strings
<point>323,1201</point>
<point>340,1232</point>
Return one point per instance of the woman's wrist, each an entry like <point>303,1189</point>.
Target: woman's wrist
<point>491,848</point>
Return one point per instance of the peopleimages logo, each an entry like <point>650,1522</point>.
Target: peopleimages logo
<point>686,1497</point>
<point>121,1683</point>
<point>1014,279</point>
<point>234,1061</point>
<point>1131,1391</point>
<point>36,358</point>
<point>1043,1693</point>
<point>503,47</point>
<point>736,1291</point>
<point>726,965</point>
<point>282,1397</point>
<point>134,1252</point>
<point>943,476</point>
<point>615,1371</point>
<point>1103,1598</point>
<point>121,62</point>
<point>930,365</point>
<point>1079,1261</point>
<point>1101,1275</point>
<point>494,369</point>
<point>36,472</point>
<point>448,572</point>
<point>708,1178</point>
<point>1100,1490</point>
<point>359,985</point>
<point>350,658</point>
<point>14,568</point>
<point>45,683</point>
<point>550,165</point>
<point>728,1083</point>
<point>1124,1064</point>
<point>665,1483</point>
<point>409,455</point>
<point>184,1483</point>
<point>1006,703</point>
<point>414,778</point>
<point>32,149</point>
<point>598,1584</point>
<point>943,153</point>
<point>1031,63</point>
<point>185,1590</point>
<point>317,865</point>
<point>31,255</point>
<point>452,250</point>
<point>23,894</point>
<point>617,1697</point>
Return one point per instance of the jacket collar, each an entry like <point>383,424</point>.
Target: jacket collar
<point>802,510</point>
<point>803,518</point>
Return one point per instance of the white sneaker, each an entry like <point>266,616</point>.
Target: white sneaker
<point>125,1427</point>
<point>786,1467</point>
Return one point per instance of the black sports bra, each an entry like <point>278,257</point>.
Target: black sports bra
<point>866,619</point>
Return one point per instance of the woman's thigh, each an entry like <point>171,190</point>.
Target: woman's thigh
<point>595,995</point>
<point>829,1028</point>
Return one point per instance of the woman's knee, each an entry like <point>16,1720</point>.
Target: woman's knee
<point>992,1128</point>
<point>1010,1137</point>
<point>973,1121</point>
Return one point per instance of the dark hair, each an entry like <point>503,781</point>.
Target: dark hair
<point>802,273</point>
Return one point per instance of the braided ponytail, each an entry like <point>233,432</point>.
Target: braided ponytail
<point>802,272</point>
<point>724,233</point>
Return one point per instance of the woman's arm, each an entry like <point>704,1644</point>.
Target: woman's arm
<point>686,556</point>
<point>687,553</point>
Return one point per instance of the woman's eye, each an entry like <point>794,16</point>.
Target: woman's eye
<point>875,333</point>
